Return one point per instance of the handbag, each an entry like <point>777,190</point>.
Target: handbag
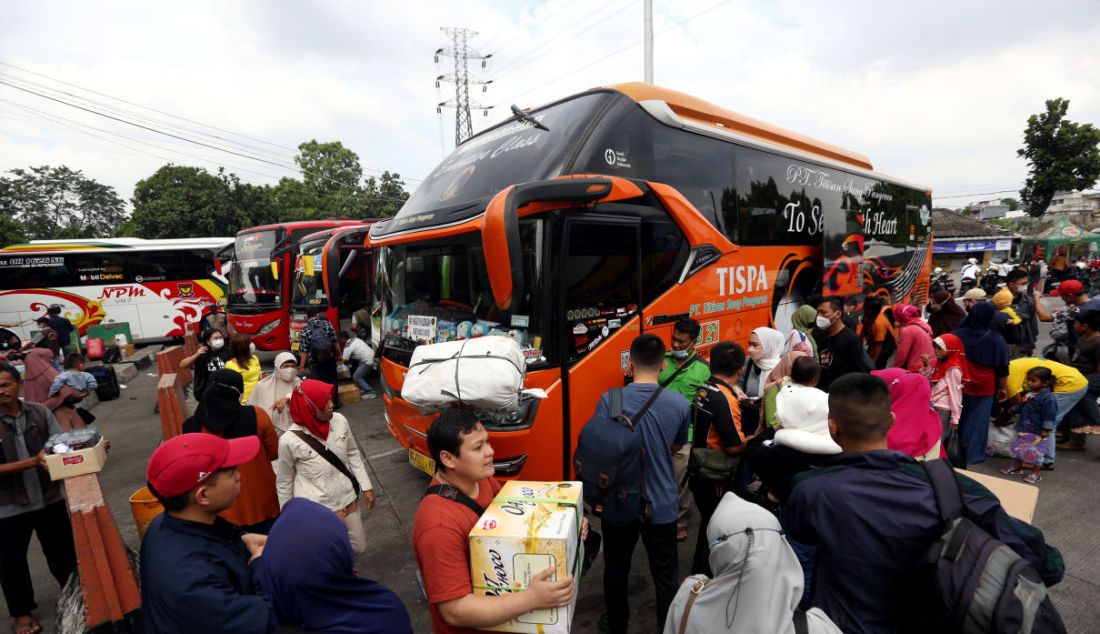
<point>712,464</point>
<point>953,446</point>
<point>332,458</point>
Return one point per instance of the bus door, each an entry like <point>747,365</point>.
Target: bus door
<point>600,312</point>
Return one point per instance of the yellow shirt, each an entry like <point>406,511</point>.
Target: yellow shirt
<point>251,375</point>
<point>1066,379</point>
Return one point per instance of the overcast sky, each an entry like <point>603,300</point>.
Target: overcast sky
<point>935,92</point>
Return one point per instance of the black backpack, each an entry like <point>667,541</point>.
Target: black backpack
<point>610,462</point>
<point>969,581</point>
<point>318,342</point>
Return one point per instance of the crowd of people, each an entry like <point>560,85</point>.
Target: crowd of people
<point>801,453</point>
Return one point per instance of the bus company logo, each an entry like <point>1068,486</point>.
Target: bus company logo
<point>186,289</point>
<point>609,156</point>
<point>925,215</point>
<point>736,280</point>
<point>120,292</point>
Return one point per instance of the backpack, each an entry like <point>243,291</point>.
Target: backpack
<point>610,462</point>
<point>318,342</point>
<point>969,581</point>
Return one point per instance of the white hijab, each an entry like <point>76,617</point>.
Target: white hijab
<point>270,389</point>
<point>772,342</point>
<point>757,582</point>
<point>803,413</point>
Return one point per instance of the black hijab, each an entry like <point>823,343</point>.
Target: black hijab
<point>981,343</point>
<point>220,410</point>
<point>944,313</point>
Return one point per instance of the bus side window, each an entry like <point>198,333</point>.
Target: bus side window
<point>600,276</point>
<point>664,251</point>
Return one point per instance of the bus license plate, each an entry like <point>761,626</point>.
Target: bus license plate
<point>422,462</point>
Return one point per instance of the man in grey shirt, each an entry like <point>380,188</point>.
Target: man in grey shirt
<point>29,501</point>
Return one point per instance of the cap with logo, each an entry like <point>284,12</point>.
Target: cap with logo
<point>975,294</point>
<point>184,462</point>
<point>1069,288</point>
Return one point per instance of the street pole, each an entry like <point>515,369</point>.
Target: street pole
<point>648,41</point>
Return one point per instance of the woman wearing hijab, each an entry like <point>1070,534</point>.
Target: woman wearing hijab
<point>947,380</point>
<point>308,574</point>
<point>211,356</point>
<point>987,361</point>
<point>914,339</point>
<point>38,376</point>
<point>319,460</point>
<point>803,321</point>
<point>757,581</point>
<point>944,313</point>
<point>272,393</point>
<point>765,348</point>
<point>220,413</point>
<point>916,430</point>
<point>776,379</point>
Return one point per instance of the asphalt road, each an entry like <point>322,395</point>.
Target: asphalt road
<point>1068,514</point>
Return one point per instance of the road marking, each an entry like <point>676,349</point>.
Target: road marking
<point>386,453</point>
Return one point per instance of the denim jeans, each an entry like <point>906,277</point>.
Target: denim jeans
<point>1066,402</point>
<point>360,376</point>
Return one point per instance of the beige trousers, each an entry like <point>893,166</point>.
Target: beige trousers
<point>679,467</point>
<point>357,533</point>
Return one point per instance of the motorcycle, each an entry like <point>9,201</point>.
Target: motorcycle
<point>966,285</point>
<point>992,281</point>
<point>943,280</point>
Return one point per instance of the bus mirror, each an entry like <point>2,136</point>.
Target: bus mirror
<point>500,229</point>
<point>307,266</point>
<point>275,269</point>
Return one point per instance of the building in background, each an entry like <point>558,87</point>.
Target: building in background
<point>957,237</point>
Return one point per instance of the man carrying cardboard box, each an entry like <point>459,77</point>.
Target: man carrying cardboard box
<point>462,488</point>
<point>29,501</point>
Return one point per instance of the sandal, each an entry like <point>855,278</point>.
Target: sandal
<point>1034,478</point>
<point>29,626</point>
<point>1012,471</point>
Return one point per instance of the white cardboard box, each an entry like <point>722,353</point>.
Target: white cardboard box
<point>79,462</point>
<point>528,527</point>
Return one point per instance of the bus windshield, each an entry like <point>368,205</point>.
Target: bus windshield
<point>439,291</point>
<point>515,152</point>
<point>309,285</point>
<point>251,280</point>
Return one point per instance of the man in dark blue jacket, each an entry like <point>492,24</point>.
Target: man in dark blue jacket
<point>872,514</point>
<point>196,568</point>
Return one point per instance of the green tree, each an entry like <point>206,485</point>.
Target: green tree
<point>1012,203</point>
<point>11,231</point>
<point>57,202</point>
<point>384,195</point>
<point>186,202</point>
<point>1061,155</point>
<point>331,172</point>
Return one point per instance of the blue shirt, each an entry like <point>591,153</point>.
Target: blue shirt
<point>872,515</point>
<point>79,381</point>
<point>665,424</point>
<point>1037,413</point>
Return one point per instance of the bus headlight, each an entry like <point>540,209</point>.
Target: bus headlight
<point>269,327</point>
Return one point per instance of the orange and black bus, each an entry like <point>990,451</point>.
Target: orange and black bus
<point>581,224</point>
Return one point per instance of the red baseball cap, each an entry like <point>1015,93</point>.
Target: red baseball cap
<point>184,462</point>
<point>1069,287</point>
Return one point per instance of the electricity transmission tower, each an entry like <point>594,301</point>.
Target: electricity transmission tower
<point>462,78</point>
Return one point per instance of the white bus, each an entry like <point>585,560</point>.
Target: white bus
<point>157,286</point>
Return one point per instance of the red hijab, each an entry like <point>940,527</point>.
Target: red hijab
<point>917,426</point>
<point>956,357</point>
<point>307,403</point>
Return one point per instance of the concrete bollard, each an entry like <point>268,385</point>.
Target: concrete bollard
<point>173,408</point>
<point>108,583</point>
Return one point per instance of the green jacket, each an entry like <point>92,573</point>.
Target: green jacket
<point>689,380</point>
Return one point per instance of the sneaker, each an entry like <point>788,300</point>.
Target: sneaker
<point>367,395</point>
<point>1033,478</point>
<point>1012,471</point>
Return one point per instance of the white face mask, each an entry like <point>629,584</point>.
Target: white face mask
<point>286,374</point>
<point>216,344</point>
<point>823,322</point>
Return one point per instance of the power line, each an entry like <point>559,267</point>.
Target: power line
<point>1005,191</point>
<point>515,36</point>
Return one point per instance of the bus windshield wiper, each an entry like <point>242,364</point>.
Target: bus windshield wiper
<point>527,118</point>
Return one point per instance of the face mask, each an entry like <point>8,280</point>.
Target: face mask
<point>252,348</point>
<point>1021,289</point>
<point>680,355</point>
<point>286,374</point>
<point>216,344</point>
<point>823,322</point>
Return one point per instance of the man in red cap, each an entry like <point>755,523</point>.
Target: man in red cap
<point>1077,302</point>
<point>196,568</point>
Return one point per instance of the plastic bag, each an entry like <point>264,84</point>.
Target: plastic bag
<point>1000,441</point>
<point>953,446</point>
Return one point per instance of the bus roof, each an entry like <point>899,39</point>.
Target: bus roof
<point>115,244</point>
<point>306,224</point>
<point>696,109</point>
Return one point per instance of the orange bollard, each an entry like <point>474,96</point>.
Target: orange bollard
<point>173,408</point>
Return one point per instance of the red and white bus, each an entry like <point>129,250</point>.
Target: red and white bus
<point>584,223</point>
<point>258,301</point>
<point>333,272</point>
<point>157,286</point>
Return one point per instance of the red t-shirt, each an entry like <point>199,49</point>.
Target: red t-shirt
<point>441,532</point>
<point>983,381</point>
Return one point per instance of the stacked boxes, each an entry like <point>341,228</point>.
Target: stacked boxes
<point>79,462</point>
<point>529,527</point>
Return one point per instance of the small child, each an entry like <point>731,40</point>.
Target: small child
<point>947,379</point>
<point>806,371</point>
<point>1036,423</point>
<point>75,376</point>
